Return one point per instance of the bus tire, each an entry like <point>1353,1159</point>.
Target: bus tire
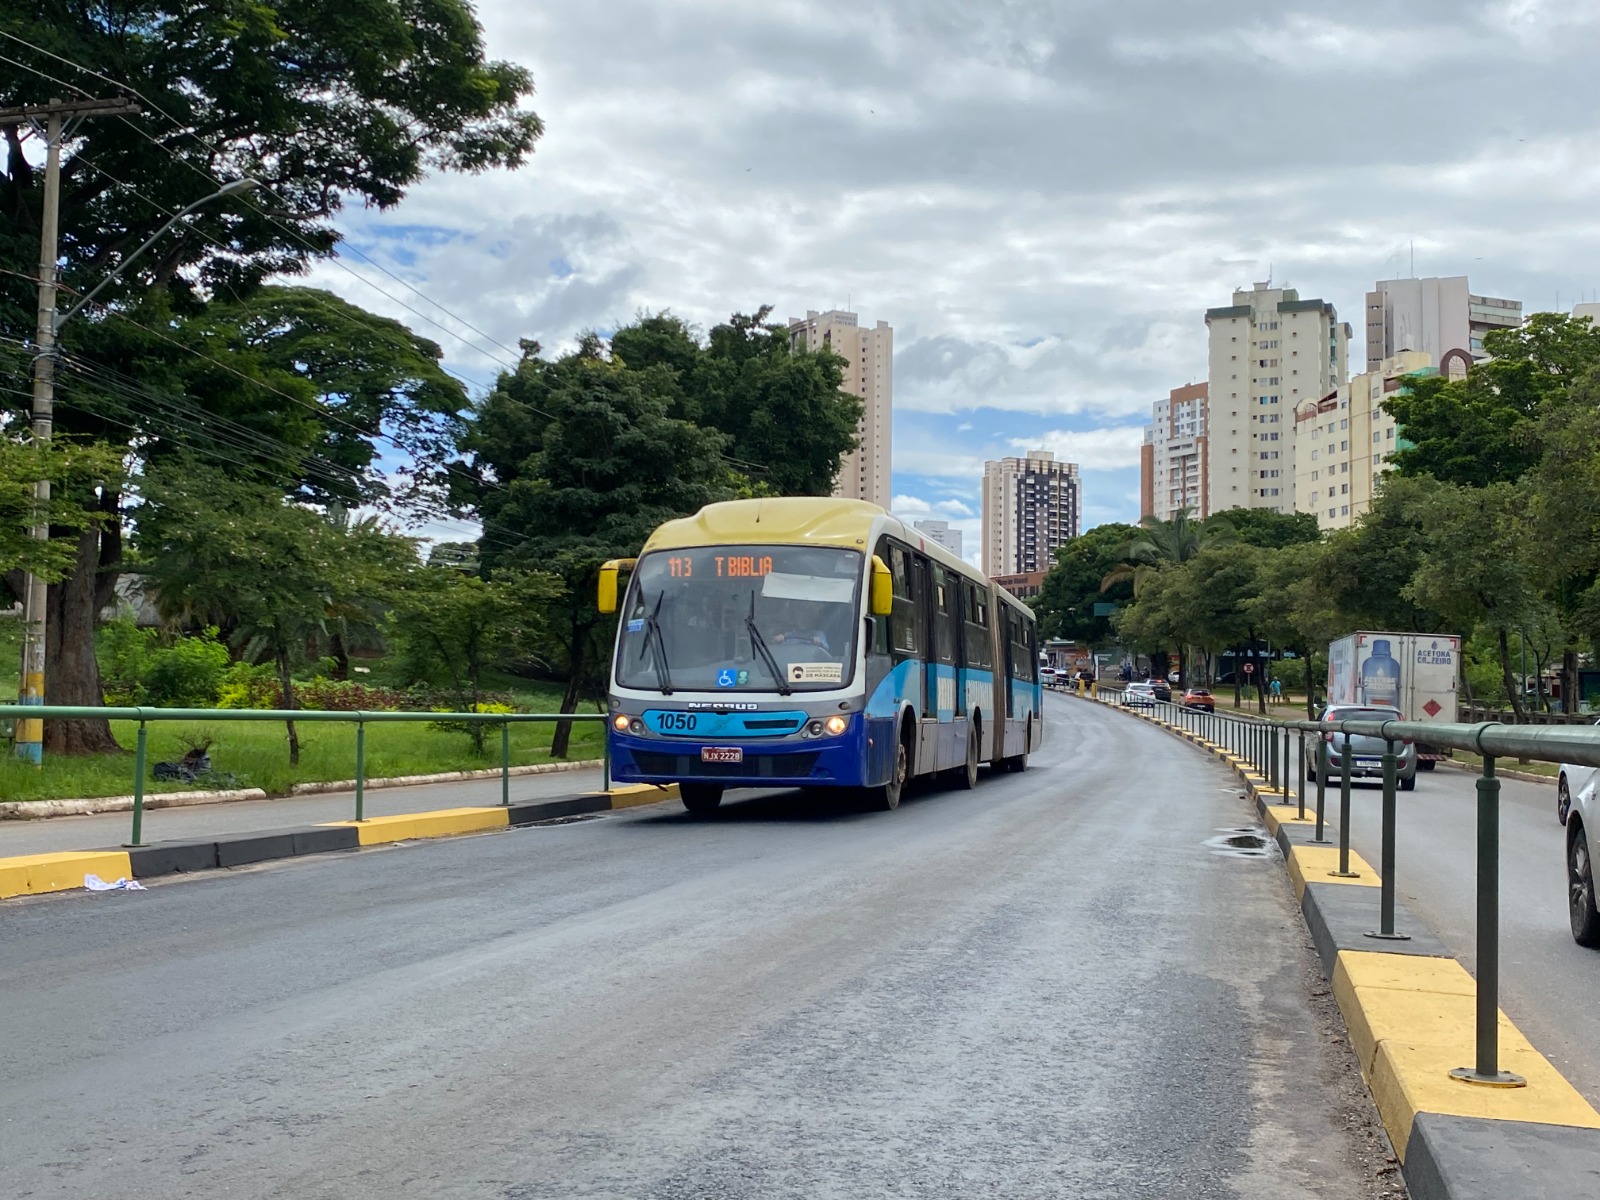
<point>886,798</point>
<point>1017,763</point>
<point>701,799</point>
<point>969,775</point>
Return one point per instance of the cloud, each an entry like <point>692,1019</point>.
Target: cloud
<point>1092,449</point>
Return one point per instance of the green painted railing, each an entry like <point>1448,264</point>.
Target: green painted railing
<point>1266,746</point>
<point>361,719</point>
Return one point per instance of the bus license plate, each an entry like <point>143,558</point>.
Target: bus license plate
<point>722,754</point>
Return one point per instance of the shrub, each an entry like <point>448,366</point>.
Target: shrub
<point>186,674</point>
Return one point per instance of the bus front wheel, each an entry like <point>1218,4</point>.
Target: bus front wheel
<point>887,797</point>
<point>701,798</point>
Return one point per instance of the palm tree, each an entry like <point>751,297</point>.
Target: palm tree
<point>1166,543</point>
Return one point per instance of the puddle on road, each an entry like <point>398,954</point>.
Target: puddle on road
<point>1242,842</point>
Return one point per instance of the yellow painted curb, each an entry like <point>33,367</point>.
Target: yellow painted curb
<point>1279,815</point>
<point>446,822</point>
<point>635,794</point>
<point>1314,863</point>
<point>63,871</point>
<point>1412,1021</point>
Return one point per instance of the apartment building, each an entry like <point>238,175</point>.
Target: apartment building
<point>1269,352</point>
<point>1031,508</point>
<point>1343,442</point>
<point>1172,461</point>
<point>868,373</point>
<point>1438,316</point>
<point>940,531</point>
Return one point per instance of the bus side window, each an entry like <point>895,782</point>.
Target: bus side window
<point>904,627</point>
<point>943,614</point>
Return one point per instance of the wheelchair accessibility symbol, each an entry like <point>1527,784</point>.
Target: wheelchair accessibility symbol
<point>726,678</point>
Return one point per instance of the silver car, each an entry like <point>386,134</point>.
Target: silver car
<point>1579,810</point>
<point>1366,753</point>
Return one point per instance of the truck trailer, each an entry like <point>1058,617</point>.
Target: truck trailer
<point>1414,673</point>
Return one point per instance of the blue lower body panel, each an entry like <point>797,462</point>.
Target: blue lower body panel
<point>841,761</point>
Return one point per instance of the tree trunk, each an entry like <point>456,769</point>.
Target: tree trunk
<point>286,686</point>
<point>71,673</point>
<point>1569,681</point>
<point>562,737</point>
<point>1258,677</point>
<point>1505,675</point>
<point>340,656</point>
<point>474,728</point>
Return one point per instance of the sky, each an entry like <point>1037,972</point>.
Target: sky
<point>1041,198</point>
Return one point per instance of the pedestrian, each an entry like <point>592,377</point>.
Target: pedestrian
<point>1277,692</point>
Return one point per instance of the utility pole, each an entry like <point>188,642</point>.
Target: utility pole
<point>54,115</point>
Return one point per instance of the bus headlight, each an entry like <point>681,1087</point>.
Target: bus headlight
<point>814,729</point>
<point>837,724</point>
<point>620,723</point>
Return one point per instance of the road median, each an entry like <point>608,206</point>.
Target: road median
<point>35,874</point>
<point>1410,1009</point>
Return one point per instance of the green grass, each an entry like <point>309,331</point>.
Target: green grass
<point>257,753</point>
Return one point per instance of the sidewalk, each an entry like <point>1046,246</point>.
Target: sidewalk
<point>244,816</point>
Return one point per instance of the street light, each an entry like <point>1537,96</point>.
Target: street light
<point>30,733</point>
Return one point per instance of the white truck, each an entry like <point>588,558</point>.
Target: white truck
<point>1416,673</point>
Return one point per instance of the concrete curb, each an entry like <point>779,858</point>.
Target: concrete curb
<point>34,874</point>
<point>1408,1008</point>
<point>37,810</point>
<point>1525,776</point>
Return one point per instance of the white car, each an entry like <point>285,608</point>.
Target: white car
<point>1139,694</point>
<point>1578,809</point>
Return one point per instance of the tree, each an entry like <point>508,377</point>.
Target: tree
<point>72,468</point>
<point>269,573</point>
<point>319,106</point>
<point>787,422</point>
<point>1476,569</point>
<point>451,626</point>
<point>1291,608</point>
<point>1485,428</point>
<point>577,462</point>
<point>1363,572</point>
<point>1071,588</point>
<point>1268,528</point>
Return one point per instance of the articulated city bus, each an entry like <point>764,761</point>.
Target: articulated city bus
<point>813,643</point>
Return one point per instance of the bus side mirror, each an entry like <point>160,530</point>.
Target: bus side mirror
<point>882,589</point>
<point>607,600</point>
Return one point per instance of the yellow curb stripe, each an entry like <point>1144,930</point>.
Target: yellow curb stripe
<point>446,822</point>
<point>1314,862</point>
<point>1412,1020</point>
<point>637,794</point>
<point>1279,815</point>
<point>63,871</point>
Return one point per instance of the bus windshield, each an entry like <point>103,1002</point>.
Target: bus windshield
<point>741,618</point>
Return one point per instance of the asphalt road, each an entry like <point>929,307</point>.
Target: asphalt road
<point>1549,985</point>
<point>1047,987</point>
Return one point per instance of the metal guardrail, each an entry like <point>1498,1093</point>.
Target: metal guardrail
<point>1266,746</point>
<point>360,718</point>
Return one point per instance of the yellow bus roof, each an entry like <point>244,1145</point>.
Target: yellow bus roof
<point>783,520</point>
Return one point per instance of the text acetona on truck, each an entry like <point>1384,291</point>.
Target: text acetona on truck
<point>813,643</point>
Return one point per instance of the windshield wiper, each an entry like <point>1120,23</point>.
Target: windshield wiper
<point>759,645</point>
<point>653,641</point>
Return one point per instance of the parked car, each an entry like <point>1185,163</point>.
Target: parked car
<point>1161,688</point>
<point>1576,788</point>
<point>1200,698</point>
<point>1572,779</point>
<point>1139,694</point>
<point>1366,753</point>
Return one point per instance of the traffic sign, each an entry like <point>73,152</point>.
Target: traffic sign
<point>1249,668</point>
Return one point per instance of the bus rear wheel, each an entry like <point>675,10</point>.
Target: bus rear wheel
<point>701,798</point>
<point>969,776</point>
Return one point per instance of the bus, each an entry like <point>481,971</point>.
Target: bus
<point>813,643</point>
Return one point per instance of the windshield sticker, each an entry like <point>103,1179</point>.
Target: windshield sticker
<point>727,678</point>
<point>744,678</point>
<point>816,672</point>
<point>635,625</point>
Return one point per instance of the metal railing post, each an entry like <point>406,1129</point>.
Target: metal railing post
<point>505,764</point>
<point>139,755</point>
<point>1283,778</point>
<point>361,769</point>
<point>1322,784</point>
<point>1386,871</point>
<point>1346,762</point>
<point>1300,775</point>
<point>1275,780</point>
<point>605,758</point>
<point>1487,1070</point>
